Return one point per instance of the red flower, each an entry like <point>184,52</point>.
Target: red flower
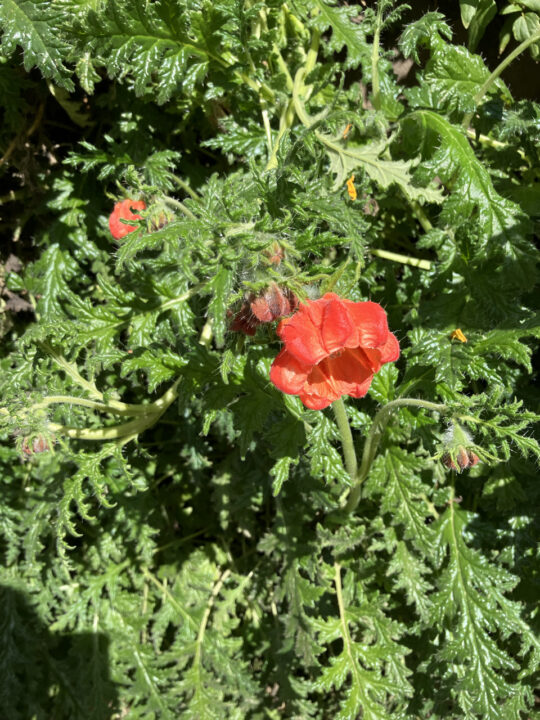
<point>333,347</point>
<point>124,211</point>
<point>274,303</point>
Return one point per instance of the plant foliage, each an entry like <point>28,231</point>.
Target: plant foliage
<point>175,534</point>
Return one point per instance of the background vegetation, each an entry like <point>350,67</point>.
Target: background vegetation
<point>171,532</point>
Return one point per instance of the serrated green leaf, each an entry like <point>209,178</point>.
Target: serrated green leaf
<point>346,158</point>
<point>499,219</point>
<point>36,26</point>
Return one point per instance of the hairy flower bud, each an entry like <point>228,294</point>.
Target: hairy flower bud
<point>275,302</point>
<point>275,254</point>
<point>34,444</point>
<point>457,454</point>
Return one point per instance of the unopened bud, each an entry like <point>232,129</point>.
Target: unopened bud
<point>458,454</point>
<point>275,302</point>
<point>275,254</point>
<point>34,444</point>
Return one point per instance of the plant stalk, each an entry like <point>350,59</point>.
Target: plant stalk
<point>501,67</point>
<point>375,84</point>
<point>349,453</point>
<point>373,439</point>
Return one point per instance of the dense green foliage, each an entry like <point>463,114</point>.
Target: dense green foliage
<point>180,548</point>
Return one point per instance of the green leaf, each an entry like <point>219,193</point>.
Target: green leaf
<point>499,220</point>
<point>472,592</point>
<point>525,26</point>
<point>345,33</point>
<point>161,49</point>
<point>37,27</point>
<point>486,11</point>
<point>453,76</point>
<point>347,158</point>
<point>425,32</point>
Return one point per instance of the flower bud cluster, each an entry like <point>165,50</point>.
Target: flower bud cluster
<point>273,303</point>
<point>458,453</point>
<point>35,444</point>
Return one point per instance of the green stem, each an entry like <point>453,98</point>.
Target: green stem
<point>206,616</point>
<point>113,406</point>
<point>125,431</point>
<point>180,206</point>
<point>345,634</point>
<point>260,88</point>
<point>283,67</point>
<point>185,186</point>
<point>311,58</point>
<point>498,70</point>
<point>375,84</point>
<point>404,259</point>
<point>351,463</point>
<point>420,215</point>
<point>285,123</point>
<point>374,437</point>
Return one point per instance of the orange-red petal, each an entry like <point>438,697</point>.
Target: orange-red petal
<point>371,325</point>
<point>287,374</point>
<point>124,211</point>
<point>390,350</point>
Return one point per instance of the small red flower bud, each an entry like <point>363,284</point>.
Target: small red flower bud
<point>275,254</point>
<point>245,321</point>
<point>450,464</point>
<point>462,457</point>
<point>473,459</point>
<point>35,444</point>
<point>124,211</point>
<point>274,303</point>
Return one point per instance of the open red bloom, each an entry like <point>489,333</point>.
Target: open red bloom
<point>333,347</point>
<point>124,211</point>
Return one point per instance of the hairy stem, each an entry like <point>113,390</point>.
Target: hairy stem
<point>374,437</point>
<point>498,70</point>
<point>375,84</point>
<point>113,407</point>
<point>180,206</point>
<point>185,186</point>
<point>125,431</point>
<point>349,453</point>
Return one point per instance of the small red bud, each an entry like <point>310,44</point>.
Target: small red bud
<point>33,445</point>
<point>462,458</point>
<point>274,303</point>
<point>473,459</point>
<point>450,464</point>
<point>124,211</point>
<point>275,254</point>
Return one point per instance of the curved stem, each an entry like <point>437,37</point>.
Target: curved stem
<point>498,70</point>
<point>180,206</point>
<point>185,186</point>
<point>206,616</point>
<point>113,406</point>
<point>351,463</point>
<point>374,437</point>
<point>125,431</point>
